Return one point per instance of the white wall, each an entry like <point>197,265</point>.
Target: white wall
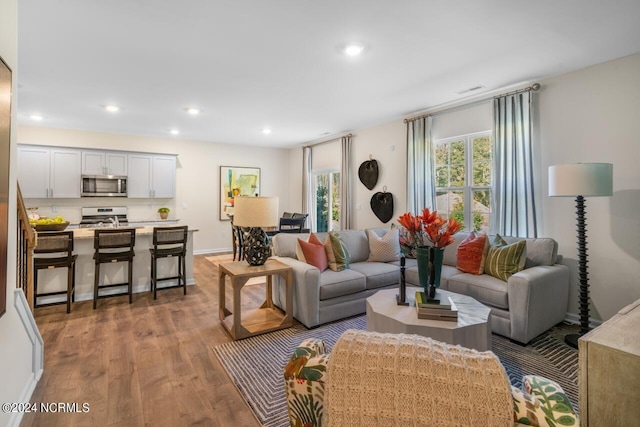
<point>591,115</point>
<point>15,347</point>
<point>197,179</point>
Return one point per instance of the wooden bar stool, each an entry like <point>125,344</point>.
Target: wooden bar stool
<point>54,244</point>
<point>110,246</point>
<point>169,242</point>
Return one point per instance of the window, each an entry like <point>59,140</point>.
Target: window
<point>464,167</point>
<point>327,201</point>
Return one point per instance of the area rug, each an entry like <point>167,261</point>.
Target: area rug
<point>255,364</point>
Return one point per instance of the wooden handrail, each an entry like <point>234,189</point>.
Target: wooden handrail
<point>27,240</point>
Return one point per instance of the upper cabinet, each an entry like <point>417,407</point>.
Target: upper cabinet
<point>104,163</point>
<point>49,172</point>
<point>151,176</point>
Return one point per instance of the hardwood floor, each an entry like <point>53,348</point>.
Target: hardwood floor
<point>146,364</point>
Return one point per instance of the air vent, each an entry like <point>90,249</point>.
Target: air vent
<point>471,89</point>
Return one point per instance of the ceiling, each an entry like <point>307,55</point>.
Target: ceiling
<point>278,64</point>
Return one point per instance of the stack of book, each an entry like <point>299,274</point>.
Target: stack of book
<point>443,309</point>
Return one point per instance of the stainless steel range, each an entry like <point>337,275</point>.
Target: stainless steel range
<point>104,217</point>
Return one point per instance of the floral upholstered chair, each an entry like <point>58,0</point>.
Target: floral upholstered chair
<point>394,379</point>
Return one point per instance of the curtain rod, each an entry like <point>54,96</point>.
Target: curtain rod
<point>327,140</point>
<point>534,87</point>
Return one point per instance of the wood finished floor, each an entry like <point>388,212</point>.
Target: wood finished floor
<point>145,364</point>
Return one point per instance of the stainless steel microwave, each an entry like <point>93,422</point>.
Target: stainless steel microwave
<point>104,186</point>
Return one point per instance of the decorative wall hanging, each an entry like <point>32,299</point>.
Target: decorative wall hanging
<point>382,205</point>
<point>368,173</point>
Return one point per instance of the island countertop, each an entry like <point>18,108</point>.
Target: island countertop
<point>55,279</point>
<point>87,233</point>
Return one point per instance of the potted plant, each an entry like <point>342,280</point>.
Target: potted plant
<point>164,212</point>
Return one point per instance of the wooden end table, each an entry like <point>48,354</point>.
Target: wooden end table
<point>255,321</point>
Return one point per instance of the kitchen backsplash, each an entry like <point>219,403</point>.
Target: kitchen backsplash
<point>70,209</point>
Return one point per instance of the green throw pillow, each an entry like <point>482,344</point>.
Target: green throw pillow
<point>337,252</point>
<point>504,260</point>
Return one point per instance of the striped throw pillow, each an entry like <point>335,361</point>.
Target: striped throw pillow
<point>504,260</point>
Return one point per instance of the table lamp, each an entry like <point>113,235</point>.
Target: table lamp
<point>581,180</point>
<point>254,213</point>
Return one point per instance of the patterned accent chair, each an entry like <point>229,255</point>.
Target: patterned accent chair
<point>394,379</point>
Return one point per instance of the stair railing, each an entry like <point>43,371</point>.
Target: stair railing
<point>27,240</point>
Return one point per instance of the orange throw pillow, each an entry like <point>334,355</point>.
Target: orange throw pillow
<point>472,252</point>
<point>314,253</point>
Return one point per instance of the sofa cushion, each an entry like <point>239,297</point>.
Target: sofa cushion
<point>335,284</point>
<point>450,256</point>
<point>357,244</point>
<point>503,260</point>
<point>540,251</point>
<point>337,252</point>
<point>313,252</point>
<point>472,252</point>
<point>284,244</point>
<point>378,274</point>
<point>484,288</point>
<point>385,248</point>
<point>411,274</point>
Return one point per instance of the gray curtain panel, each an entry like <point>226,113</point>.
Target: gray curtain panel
<point>421,192</point>
<point>307,187</point>
<point>346,187</point>
<point>514,199</point>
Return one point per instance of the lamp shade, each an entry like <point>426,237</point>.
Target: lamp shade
<point>256,212</point>
<point>581,179</point>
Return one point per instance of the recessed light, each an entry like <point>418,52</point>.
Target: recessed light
<point>353,49</point>
<point>36,117</point>
<point>112,108</point>
<point>266,131</point>
<point>174,132</point>
<point>193,111</point>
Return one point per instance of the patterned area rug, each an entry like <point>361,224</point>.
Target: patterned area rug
<point>255,364</point>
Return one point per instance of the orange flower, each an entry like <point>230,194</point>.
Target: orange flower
<point>435,228</point>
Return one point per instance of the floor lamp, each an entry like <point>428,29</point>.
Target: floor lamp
<point>581,180</point>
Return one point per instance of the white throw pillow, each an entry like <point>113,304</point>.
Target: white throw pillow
<point>385,248</point>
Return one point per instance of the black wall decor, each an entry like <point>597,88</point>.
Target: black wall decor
<point>382,205</point>
<point>368,173</point>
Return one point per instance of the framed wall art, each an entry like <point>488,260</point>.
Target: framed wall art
<point>5,150</point>
<point>236,181</point>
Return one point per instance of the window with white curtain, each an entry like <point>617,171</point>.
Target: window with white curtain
<point>464,173</point>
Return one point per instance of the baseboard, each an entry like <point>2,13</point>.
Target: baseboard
<point>37,353</point>
<point>574,319</point>
<point>212,251</point>
<point>136,290</point>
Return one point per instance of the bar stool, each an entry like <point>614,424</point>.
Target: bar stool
<point>51,243</point>
<point>169,242</point>
<point>111,246</point>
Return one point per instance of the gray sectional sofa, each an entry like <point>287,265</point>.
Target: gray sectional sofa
<point>529,303</point>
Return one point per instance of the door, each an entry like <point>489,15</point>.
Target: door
<point>33,172</point>
<point>64,180</point>
<point>164,176</point>
<point>139,177</point>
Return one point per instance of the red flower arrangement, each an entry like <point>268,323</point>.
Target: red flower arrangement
<point>428,226</point>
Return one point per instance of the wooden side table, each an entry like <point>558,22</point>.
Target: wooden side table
<point>267,317</point>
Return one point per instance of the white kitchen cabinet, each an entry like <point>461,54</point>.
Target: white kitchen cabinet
<point>151,176</point>
<point>95,162</point>
<point>49,172</point>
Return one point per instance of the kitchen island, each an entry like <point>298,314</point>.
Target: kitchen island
<point>56,279</point>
